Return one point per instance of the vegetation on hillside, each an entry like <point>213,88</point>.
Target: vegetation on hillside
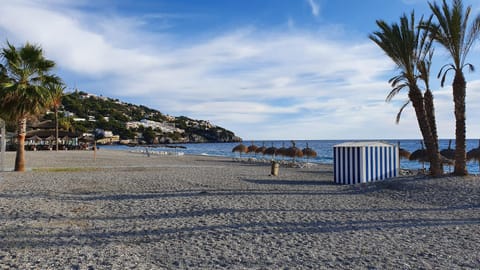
<point>112,114</point>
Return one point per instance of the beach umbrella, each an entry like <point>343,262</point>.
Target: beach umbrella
<point>294,152</point>
<point>309,152</point>
<point>261,150</point>
<point>474,154</point>
<point>448,155</point>
<point>282,151</point>
<point>241,148</point>
<point>403,153</point>
<point>449,152</point>
<point>420,155</point>
<point>252,148</point>
<point>35,139</point>
<point>271,151</point>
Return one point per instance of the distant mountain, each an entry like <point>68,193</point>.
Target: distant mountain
<point>136,123</point>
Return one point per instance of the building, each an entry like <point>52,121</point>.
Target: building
<point>161,126</point>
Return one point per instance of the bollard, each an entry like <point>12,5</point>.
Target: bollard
<point>274,169</point>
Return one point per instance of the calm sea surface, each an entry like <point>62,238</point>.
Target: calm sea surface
<point>324,149</point>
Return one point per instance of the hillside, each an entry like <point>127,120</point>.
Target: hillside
<point>84,112</point>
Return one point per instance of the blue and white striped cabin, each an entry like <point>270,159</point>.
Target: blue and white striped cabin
<point>362,162</point>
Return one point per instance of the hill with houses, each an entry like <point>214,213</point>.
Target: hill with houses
<point>115,121</point>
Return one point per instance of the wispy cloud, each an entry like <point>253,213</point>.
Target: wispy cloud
<point>283,83</point>
<point>315,7</point>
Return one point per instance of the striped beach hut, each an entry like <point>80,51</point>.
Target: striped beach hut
<point>362,162</point>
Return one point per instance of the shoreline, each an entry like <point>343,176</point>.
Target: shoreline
<point>126,210</point>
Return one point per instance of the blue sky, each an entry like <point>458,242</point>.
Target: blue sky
<point>266,69</point>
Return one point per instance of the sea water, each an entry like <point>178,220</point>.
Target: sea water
<point>324,149</point>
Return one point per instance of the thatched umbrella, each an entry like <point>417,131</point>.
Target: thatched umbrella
<point>403,153</point>
<point>420,155</point>
<point>261,150</point>
<point>252,148</point>
<point>294,152</point>
<point>50,138</point>
<point>449,152</point>
<point>309,152</point>
<point>448,155</point>
<point>271,151</point>
<point>474,154</point>
<point>282,151</point>
<point>35,139</point>
<point>241,148</point>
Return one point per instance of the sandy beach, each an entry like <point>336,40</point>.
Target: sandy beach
<point>129,211</point>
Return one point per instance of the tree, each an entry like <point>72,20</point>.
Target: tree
<point>24,93</point>
<point>149,135</point>
<point>409,47</point>
<point>56,94</point>
<point>457,36</point>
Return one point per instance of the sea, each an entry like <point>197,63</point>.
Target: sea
<point>324,149</point>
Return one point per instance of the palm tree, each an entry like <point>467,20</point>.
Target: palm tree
<point>424,66</point>
<point>56,94</point>
<point>409,47</point>
<point>23,94</point>
<point>454,33</point>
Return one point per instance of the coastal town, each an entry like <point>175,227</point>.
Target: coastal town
<point>81,130</point>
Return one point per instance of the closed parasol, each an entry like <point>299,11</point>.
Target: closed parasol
<point>241,148</point>
<point>309,152</point>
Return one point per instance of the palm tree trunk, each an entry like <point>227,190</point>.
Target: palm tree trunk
<point>459,92</point>
<point>417,99</point>
<point>430,112</point>
<point>20,158</point>
<point>435,159</point>
<point>56,128</point>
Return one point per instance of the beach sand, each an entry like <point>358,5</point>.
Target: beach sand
<point>129,211</point>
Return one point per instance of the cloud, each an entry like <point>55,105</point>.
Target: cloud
<point>315,7</point>
<point>260,83</point>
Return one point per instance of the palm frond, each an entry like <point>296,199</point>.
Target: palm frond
<point>443,73</point>
<point>27,70</point>
<point>394,92</point>
<point>471,67</point>
<point>399,114</point>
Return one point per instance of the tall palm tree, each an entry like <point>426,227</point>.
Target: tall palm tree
<point>454,33</point>
<point>424,66</point>
<point>408,46</point>
<point>56,94</point>
<point>24,94</point>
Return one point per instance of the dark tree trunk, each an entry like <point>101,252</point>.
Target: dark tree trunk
<point>459,93</point>
<point>435,159</point>
<point>20,157</point>
<point>56,128</point>
<point>417,100</point>
<point>430,112</point>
